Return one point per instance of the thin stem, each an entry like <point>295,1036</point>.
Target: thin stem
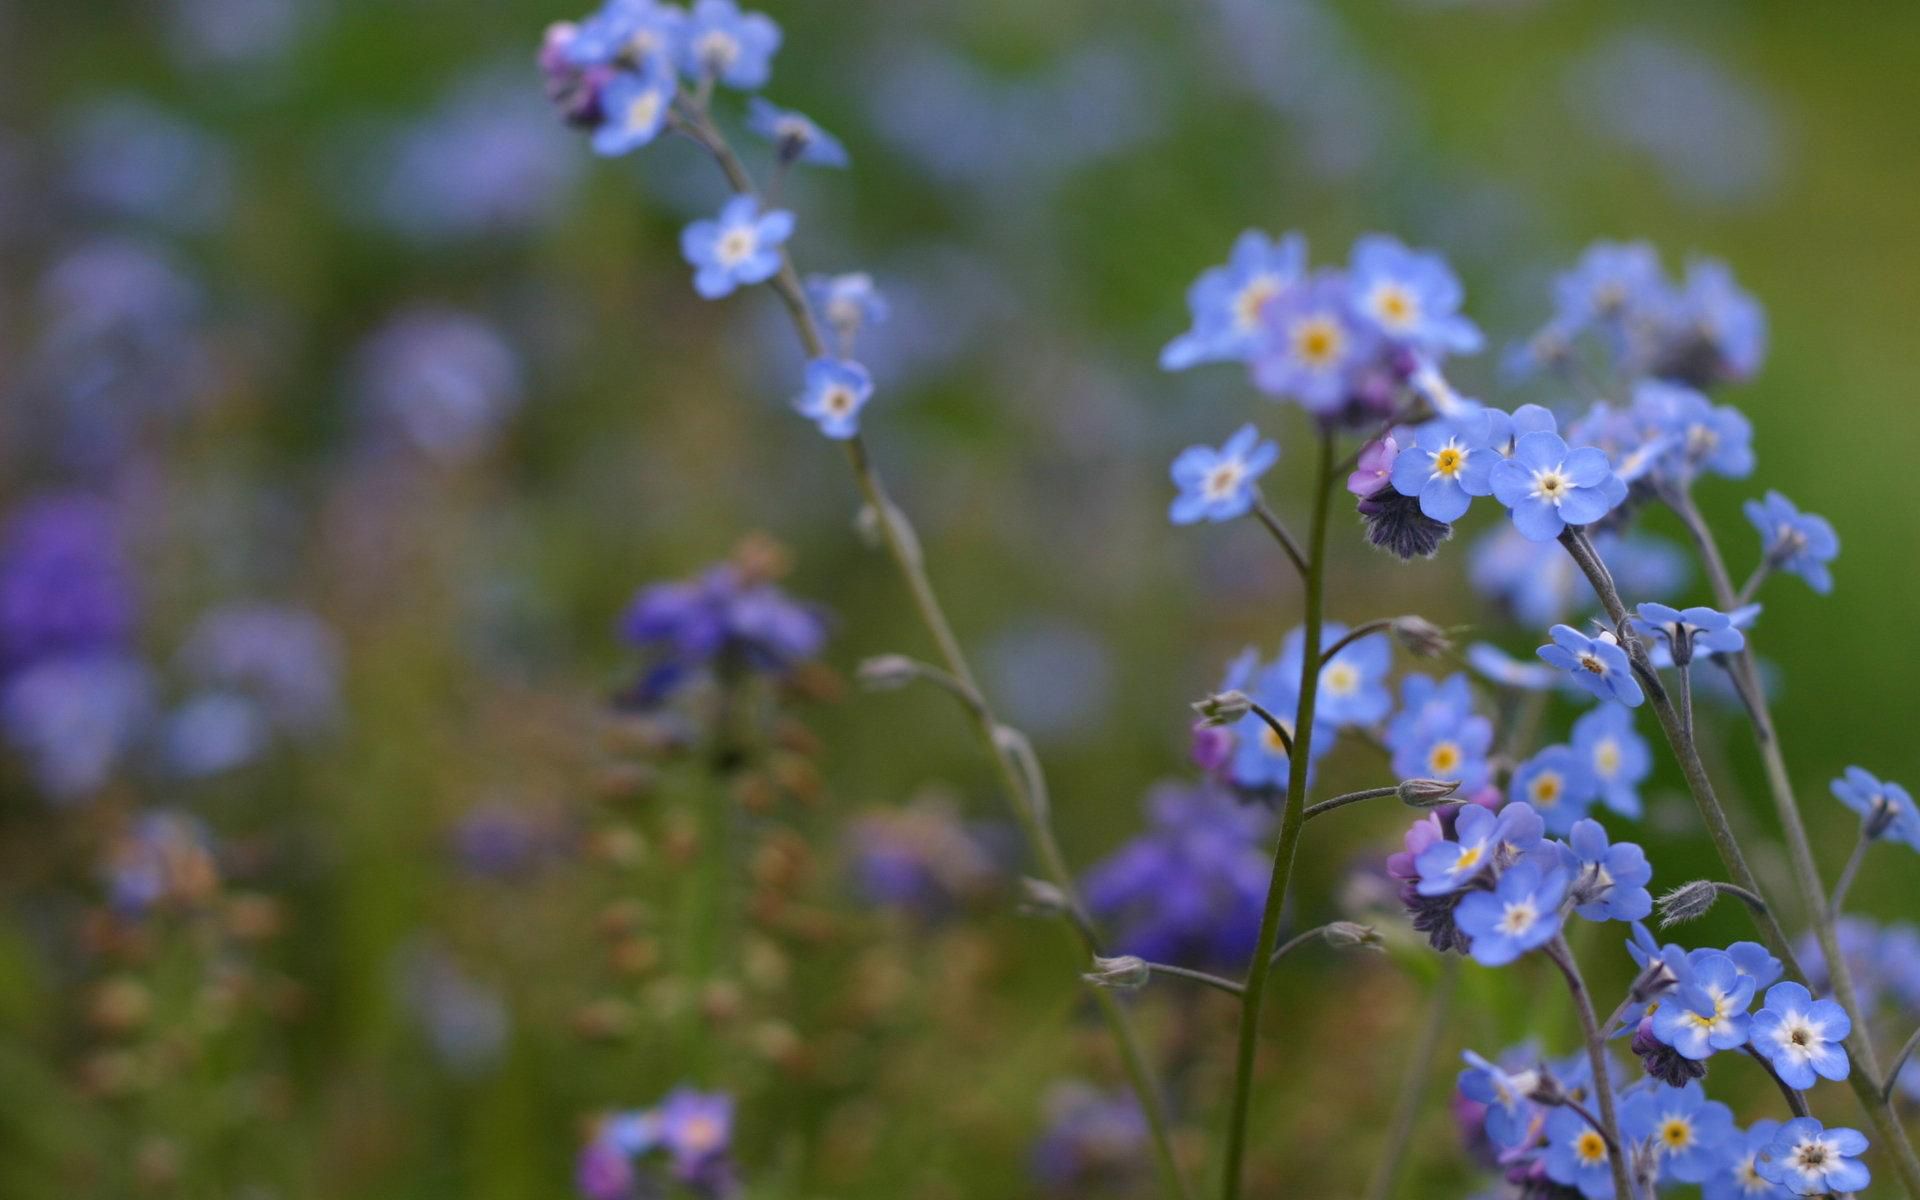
<point>1685,677</point>
<point>1609,1123</point>
<point>1293,818</point>
<point>1750,899</point>
<point>1899,1061</point>
<point>1751,587</point>
<point>1407,1106</point>
<point>1865,1077</point>
<point>1018,774</point>
<point>1795,1101</point>
<point>1586,1114</point>
<point>1353,635</point>
<point>1327,806</point>
<point>1298,940</point>
<point>1213,981</point>
<point>1274,723</point>
<point>1279,532</point>
<point>1844,884</point>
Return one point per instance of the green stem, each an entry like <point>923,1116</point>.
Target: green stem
<point>1844,884</point>
<point>1596,1058</point>
<point>1292,820</point>
<point>1407,1107</point>
<point>1327,806</point>
<point>1018,773</point>
<point>1865,1077</point>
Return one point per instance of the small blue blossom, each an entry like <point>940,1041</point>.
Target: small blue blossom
<point>1801,1036</point>
<point>1611,281</point>
<point>1687,631</point>
<point>1576,1155</point>
<point>1557,784</point>
<point>1411,297</point>
<point>1689,1134</point>
<point>1808,1159</point>
<point>1549,487</point>
<point>1883,807</point>
<point>848,303</point>
<point>794,135</point>
<point>836,390</point>
<point>1510,1111</point>
<point>1609,880</point>
<point>723,43</point>
<point>1313,344</point>
<point>1690,433</point>
<point>1353,683</point>
<point>1596,664</point>
<point>1483,841</point>
<point>1753,961</point>
<point>1228,302</point>
<point>636,107</point>
<point>1437,735</point>
<point>1521,913</point>
<point>1260,761</point>
<point>1502,668</point>
<point>1448,464</point>
<point>1220,485</point>
<point>1722,330</point>
<point>1794,541</point>
<point>741,246</point>
<point>1737,1178</point>
<point>643,32</point>
<point>1708,1011</point>
<point>1617,757</point>
<point>1093,1140</point>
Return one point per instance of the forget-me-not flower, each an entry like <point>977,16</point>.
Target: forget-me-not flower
<point>1228,302</point>
<point>1737,1178</point>
<point>1689,1134</point>
<point>644,33</point>
<point>1708,1011</point>
<point>1557,784</point>
<point>1609,880</point>
<point>1686,631</point>
<point>1808,1159</point>
<point>1576,1155</point>
<point>740,246</point>
<point>1353,683</point>
<point>795,136</point>
<point>635,107</point>
<point>1521,913</point>
<point>1312,344</point>
<point>1482,841</point>
<point>848,302</point>
<point>1597,664</point>
<point>1797,542</point>
<point>836,390</point>
<point>1801,1036</point>
<point>1219,485</point>
<point>1411,297</point>
<point>1693,434</point>
<point>1549,487</point>
<point>1437,735</point>
<point>1883,807</point>
<point>723,43</point>
<point>1448,464</point>
<point>1617,757</point>
<point>1507,1097</point>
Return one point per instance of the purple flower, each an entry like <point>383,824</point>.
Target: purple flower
<point>1597,664</point>
<point>1549,487</point>
<point>1095,1141</point>
<point>696,1130</point>
<point>444,381</point>
<point>1220,485</point>
<point>1373,470</point>
<point>65,586</point>
<point>922,858</point>
<point>74,718</point>
<point>740,246</point>
<point>836,390</point>
<point>727,618</point>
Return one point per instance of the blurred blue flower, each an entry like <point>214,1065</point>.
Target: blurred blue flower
<point>74,718</point>
<point>1728,328</point>
<point>1737,1178</point>
<point>1353,686</point>
<point>1412,297</point>
<point>1507,1095</point>
<point>130,160</point>
<point>644,33</point>
<point>836,390</point>
<point>1576,1154</point>
<point>285,659</point>
<point>723,43</point>
<point>1883,807</point>
<point>1557,783</point>
<point>1482,843</point>
<point>1693,434</point>
<point>847,303</point>
<point>1220,485</point>
<point>1616,756</point>
<point>1437,735</point>
<point>1689,1134</point>
<point>795,136</point>
<point>444,381</point>
<point>1311,344</point>
<point>1798,542</point>
<point>922,859</point>
<point>212,733</point>
<point>1597,664</point>
<point>1229,302</point>
<point>634,108</point>
<point>727,619</point>
<point>740,246</point>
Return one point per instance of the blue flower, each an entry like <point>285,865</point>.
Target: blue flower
<point>1549,487</point>
<point>1260,761</point>
<point>1557,784</point>
<point>1219,485</point>
<point>1723,330</point>
<point>74,718</point>
<point>636,108</point>
<point>1510,1111</point>
<point>1618,758</point>
<point>1189,890</point>
<point>1737,1178</point>
<point>1092,1138</point>
<point>724,614</point>
<point>1883,807</point>
<point>794,135</point>
<point>848,303</point>
<point>741,246</point>
<point>1688,630</point>
<point>1353,683</point>
<point>1521,913</point>
<point>1801,1036</point>
<point>1228,302</point>
<point>642,32</point>
<point>723,43</point>
<point>1482,842</point>
<point>1708,1011</point>
<point>1597,664</point>
<point>1312,345</point>
<point>1576,1155</point>
<point>1752,960</point>
<point>1411,297</point>
<point>1611,281</point>
<point>1436,734</point>
<point>1808,1159</point>
<point>1448,464</point>
<point>695,1129</point>
<point>1502,668</point>
<point>1689,1134</point>
<point>836,390</point>
<point>1795,541</point>
<point>1691,433</point>
<point>1609,881</point>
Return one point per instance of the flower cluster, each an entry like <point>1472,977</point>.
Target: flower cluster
<point>689,1134</point>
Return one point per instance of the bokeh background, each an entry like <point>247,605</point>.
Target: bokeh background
<point>335,315</point>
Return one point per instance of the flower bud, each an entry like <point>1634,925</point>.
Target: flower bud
<point>1127,973</point>
<point>1039,898</point>
<point>1223,708</point>
<point>1351,933</point>
<point>887,672</point>
<point>1688,902</point>
<point>1421,637</point>
<point>1426,793</point>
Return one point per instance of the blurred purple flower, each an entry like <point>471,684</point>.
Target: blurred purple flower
<point>1095,1141</point>
<point>725,618</point>
<point>444,381</point>
<point>65,584</point>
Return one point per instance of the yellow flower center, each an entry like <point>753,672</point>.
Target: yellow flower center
<point>737,245</point>
<point>1252,298</point>
<point>1545,791</point>
<point>1394,306</point>
<point>1449,461</point>
<point>1590,1147</point>
<point>1318,341</point>
<point>1444,758</point>
<point>1340,680</point>
<point>1676,1134</point>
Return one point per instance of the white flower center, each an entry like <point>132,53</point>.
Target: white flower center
<point>1552,484</point>
<point>718,49</point>
<point>1606,758</point>
<point>737,245</point>
<point>643,111</point>
<point>1341,680</point>
<point>838,400</point>
<point>1518,917</point>
<point>1251,299</point>
<point>1223,480</point>
<point>793,128</point>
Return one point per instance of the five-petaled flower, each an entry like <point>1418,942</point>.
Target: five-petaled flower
<point>1219,485</point>
<point>1229,302</point>
<point>1801,1036</point>
<point>740,246</point>
<point>1809,1159</point>
<point>795,137</point>
<point>836,391</point>
<point>1549,487</point>
<point>1483,842</point>
<point>720,42</point>
<point>1690,630</point>
<point>1449,463</point>
<point>1411,297</point>
<point>1884,808</point>
<point>635,105</point>
<point>1688,1133</point>
<point>1521,913</point>
<point>1708,1011</point>
<point>1597,664</point>
<point>1557,784</point>
<point>1799,543</point>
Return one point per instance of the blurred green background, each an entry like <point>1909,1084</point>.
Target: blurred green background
<point>1037,184</point>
